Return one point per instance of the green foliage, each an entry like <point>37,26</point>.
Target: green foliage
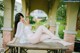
<point>37,24</point>
<point>61,33</point>
<point>1,21</point>
<point>1,17</point>
<point>61,17</point>
<point>44,19</point>
<point>1,5</point>
<point>61,12</point>
<point>78,34</point>
<point>31,20</point>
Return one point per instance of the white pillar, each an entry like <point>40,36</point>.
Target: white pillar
<point>57,29</point>
<point>53,11</point>
<point>8,21</point>
<point>52,16</point>
<point>70,31</point>
<point>24,7</point>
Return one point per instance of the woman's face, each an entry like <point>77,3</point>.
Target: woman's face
<point>24,20</point>
<point>21,18</point>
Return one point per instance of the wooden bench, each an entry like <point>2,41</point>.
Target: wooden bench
<point>49,47</point>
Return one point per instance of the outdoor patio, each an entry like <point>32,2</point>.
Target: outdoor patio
<point>63,19</point>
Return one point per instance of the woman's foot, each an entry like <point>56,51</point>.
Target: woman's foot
<point>10,42</point>
<point>55,37</point>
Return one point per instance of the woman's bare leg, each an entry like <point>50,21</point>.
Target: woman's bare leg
<point>38,34</point>
<point>35,38</point>
<point>46,31</point>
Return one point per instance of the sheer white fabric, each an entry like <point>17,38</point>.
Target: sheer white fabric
<point>22,32</point>
<point>19,31</point>
<point>25,35</point>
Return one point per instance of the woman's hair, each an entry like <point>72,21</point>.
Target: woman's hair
<point>17,19</point>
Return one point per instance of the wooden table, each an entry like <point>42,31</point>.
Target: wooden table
<point>50,47</point>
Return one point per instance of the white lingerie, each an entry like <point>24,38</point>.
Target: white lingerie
<point>22,32</point>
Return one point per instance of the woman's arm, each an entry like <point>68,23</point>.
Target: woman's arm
<point>19,32</point>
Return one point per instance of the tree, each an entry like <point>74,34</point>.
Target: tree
<point>1,5</point>
<point>1,16</point>
<point>31,20</point>
<point>61,17</point>
<point>61,12</point>
<point>1,21</point>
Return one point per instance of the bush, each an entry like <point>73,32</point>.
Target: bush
<point>61,17</point>
<point>1,21</point>
<point>31,20</point>
<point>78,34</point>
<point>61,33</point>
<point>1,5</point>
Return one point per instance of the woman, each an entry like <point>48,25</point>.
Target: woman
<point>23,33</point>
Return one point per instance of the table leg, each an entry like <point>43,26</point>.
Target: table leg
<point>20,50</point>
<point>48,51</point>
<point>52,51</point>
<point>16,49</point>
<point>6,50</point>
<point>61,51</point>
<point>11,49</point>
<point>23,50</point>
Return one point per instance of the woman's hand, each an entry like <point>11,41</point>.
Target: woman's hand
<point>11,42</point>
<point>55,38</point>
<point>26,22</point>
<point>14,39</point>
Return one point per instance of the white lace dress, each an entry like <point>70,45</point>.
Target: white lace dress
<point>22,32</point>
